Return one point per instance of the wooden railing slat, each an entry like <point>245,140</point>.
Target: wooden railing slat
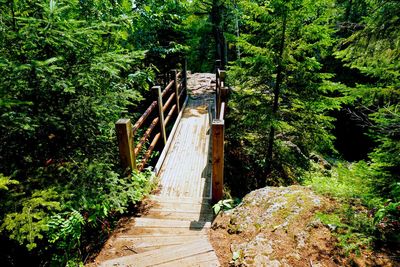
<point>125,130</point>
<point>175,77</point>
<point>170,113</point>
<point>169,101</point>
<point>148,152</point>
<point>142,118</point>
<point>146,135</point>
<point>167,88</point>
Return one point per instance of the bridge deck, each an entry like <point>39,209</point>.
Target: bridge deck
<point>186,171</point>
<point>173,232</point>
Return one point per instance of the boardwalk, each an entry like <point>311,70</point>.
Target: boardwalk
<point>174,230</point>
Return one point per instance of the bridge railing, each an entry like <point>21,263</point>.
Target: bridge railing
<point>151,128</point>
<point>218,134</point>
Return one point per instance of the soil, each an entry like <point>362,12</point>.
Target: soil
<point>277,226</point>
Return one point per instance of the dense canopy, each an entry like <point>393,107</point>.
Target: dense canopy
<point>316,90</point>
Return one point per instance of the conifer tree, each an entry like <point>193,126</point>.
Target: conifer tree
<point>280,72</point>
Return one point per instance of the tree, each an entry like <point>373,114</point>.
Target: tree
<point>280,76</point>
<point>374,50</point>
<point>67,73</point>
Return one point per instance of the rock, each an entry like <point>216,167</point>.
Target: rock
<point>276,223</point>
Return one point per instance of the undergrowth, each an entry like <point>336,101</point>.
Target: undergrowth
<point>58,224</point>
<point>363,217</point>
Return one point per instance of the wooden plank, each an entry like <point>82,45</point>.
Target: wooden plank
<point>190,200</point>
<point>142,244</point>
<point>125,143</point>
<point>162,240</point>
<point>208,259</point>
<point>222,112</point>
<point>164,255</point>
<point>217,159</point>
<point>171,231</point>
<point>181,215</point>
<point>170,138</point>
<point>163,223</point>
<point>182,206</point>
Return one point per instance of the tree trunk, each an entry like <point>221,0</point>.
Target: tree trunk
<point>275,107</point>
<point>216,20</point>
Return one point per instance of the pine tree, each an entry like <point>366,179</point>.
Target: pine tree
<point>285,94</point>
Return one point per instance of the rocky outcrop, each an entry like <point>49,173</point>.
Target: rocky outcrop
<point>275,226</point>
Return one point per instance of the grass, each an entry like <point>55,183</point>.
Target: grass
<point>346,181</point>
<point>351,185</point>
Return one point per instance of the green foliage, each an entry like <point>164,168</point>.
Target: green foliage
<point>65,231</point>
<point>289,40</point>
<point>374,50</point>
<point>364,216</point>
<point>30,224</point>
<point>5,182</point>
<point>345,181</point>
<point>68,71</point>
<point>224,205</point>
<point>353,228</point>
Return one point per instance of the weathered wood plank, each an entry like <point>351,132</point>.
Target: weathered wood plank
<point>163,255</point>
<point>171,231</point>
<point>180,215</point>
<point>163,223</point>
<point>208,259</point>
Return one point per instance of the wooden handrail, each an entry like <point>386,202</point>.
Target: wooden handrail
<point>169,101</point>
<point>146,135</point>
<point>167,88</point>
<point>148,152</point>
<point>125,130</point>
<point>170,113</point>
<point>142,119</point>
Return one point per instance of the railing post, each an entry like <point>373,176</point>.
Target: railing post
<point>224,93</point>
<point>217,159</point>
<point>175,77</point>
<point>184,74</point>
<point>157,91</point>
<point>220,74</point>
<point>125,142</point>
<point>218,63</point>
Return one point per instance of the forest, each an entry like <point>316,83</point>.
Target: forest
<point>316,102</point>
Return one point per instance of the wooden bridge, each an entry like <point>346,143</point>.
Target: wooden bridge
<point>174,231</point>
